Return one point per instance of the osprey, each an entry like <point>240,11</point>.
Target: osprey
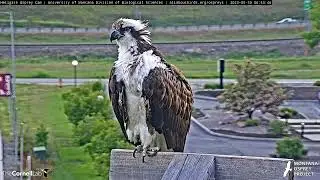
<point>151,98</point>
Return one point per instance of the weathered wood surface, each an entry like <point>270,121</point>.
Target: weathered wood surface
<point>185,167</point>
<point>124,167</point>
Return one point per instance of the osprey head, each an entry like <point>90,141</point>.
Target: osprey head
<point>128,30</point>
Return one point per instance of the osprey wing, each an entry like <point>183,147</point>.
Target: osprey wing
<point>170,104</point>
<point>118,99</point>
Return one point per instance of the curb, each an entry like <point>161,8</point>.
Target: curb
<point>274,140</point>
<point>231,136</point>
<point>208,98</point>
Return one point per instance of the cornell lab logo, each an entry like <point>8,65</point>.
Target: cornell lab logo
<point>286,171</point>
<point>45,172</point>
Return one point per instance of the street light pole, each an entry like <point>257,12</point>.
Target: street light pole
<point>75,76</point>
<point>75,64</point>
<point>221,71</point>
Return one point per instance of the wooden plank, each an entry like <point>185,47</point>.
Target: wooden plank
<point>175,167</point>
<point>226,167</point>
<point>192,166</point>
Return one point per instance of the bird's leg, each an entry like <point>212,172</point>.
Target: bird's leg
<point>153,151</point>
<point>150,152</point>
<point>144,152</point>
<point>138,149</point>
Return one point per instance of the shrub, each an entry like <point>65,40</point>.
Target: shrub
<point>41,74</point>
<point>216,86</point>
<point>82,101</point>
<point>29,138</point>
<point>290,148</point>
<point>287,113</point>
<point>90,126</point>
<point>277,127</point>
<point>212,86</point>
<point>3,65</point>
<point>102,143</point>
<point>305,65</point>
<point>251,122</point>
<point>94,128</point>
<point>42,136</point>
<point>97,86</point>
<point>227,86</point>
<point>317,83</point>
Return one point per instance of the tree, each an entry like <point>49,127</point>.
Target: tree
<point>90,111</point>
<point>84,101</point>
<point>103,142</point>
<point>253,91</point>
<point>312,38</point>
<point>90,126</point>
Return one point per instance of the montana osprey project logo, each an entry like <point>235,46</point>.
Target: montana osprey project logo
<point>286,171</point>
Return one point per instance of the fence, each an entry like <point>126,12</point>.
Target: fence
<point>260,26</point>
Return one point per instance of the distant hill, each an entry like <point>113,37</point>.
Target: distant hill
<point>103,16</point>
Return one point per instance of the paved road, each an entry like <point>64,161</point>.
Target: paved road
<point>195,82</point>
<point>310,109</point>
<point>200,140</point>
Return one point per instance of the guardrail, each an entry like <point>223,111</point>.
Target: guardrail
<point>158,43</point>
<point>260,26</point>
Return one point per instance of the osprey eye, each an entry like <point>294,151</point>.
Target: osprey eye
<point>125,29</point>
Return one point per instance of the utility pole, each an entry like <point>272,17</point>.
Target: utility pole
<point>29,166</point>
<point>21,149</point>
<point>307,7</point>
<point>13,97</point>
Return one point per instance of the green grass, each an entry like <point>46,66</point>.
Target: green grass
<point>158,36</point>
<point>103,16</point>
<point>252,122</point>
<point>43,104</point>
<point>192,66</point>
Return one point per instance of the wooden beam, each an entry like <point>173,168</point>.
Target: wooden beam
<point>184,167</point>
<point>219,167</point>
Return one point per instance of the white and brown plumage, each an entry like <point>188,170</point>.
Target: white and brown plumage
<point>151,99</point>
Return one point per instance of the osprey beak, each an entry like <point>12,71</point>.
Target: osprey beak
<point>115,35</point>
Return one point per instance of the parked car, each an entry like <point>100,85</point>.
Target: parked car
<point>287,20</point>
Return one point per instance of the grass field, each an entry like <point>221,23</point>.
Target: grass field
<point>193,67</point>
<point>102,16</point>
<point>157,37</point>
<point>43,104</point>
